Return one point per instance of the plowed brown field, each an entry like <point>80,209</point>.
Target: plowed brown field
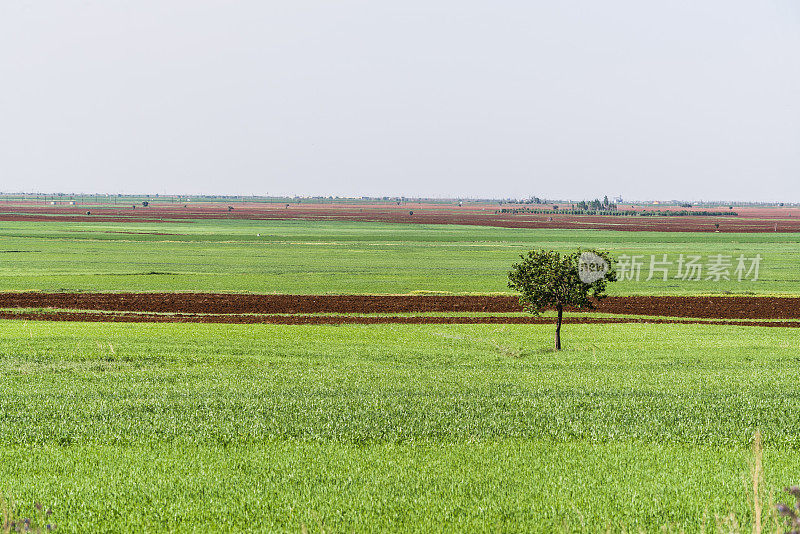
<point>748,219</point>
<point>284,309</point>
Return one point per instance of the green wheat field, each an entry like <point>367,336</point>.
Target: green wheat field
<point>372,428</point>
<point>302,257</point>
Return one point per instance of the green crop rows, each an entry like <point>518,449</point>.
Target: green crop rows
<point>348,257</point>
<point>155,427</point>
<point>427,428</point>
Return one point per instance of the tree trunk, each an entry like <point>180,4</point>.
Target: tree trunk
<point>560,309</point>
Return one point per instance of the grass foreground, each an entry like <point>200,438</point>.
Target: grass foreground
<point>189,427</point>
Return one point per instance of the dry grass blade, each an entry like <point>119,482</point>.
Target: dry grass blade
<point>757,472</point>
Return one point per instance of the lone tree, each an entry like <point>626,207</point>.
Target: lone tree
<point>547,279</point>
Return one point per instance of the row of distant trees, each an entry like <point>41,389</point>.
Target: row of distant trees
<point>616,213</point>
<point>596,204</point>
<point>684,213</point>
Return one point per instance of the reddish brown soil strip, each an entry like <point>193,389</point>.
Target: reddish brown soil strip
<point>264,304</point>
<point>705,307</point>
<point>132,317</point>
<point>225,303</point>
<point>748,219</point>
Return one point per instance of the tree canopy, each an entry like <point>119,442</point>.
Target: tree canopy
<point>549,279</point>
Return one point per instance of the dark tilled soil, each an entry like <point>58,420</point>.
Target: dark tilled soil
<point>222,303</point>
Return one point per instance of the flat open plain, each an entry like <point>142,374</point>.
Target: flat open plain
<point>747,219</point>
<point>381,377</point>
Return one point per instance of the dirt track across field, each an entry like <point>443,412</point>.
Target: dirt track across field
<point>135,317</point>
<point>191,304</point>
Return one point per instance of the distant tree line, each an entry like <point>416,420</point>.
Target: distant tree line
<point>616,213</point>
<point>684,213</point>
<point>596,205</point>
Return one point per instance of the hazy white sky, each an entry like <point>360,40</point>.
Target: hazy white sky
<point>694,99</point>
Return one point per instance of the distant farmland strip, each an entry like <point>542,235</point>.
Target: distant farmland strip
<point>649,218</point>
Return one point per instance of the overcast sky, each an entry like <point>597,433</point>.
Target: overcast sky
<point>695,99</point>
